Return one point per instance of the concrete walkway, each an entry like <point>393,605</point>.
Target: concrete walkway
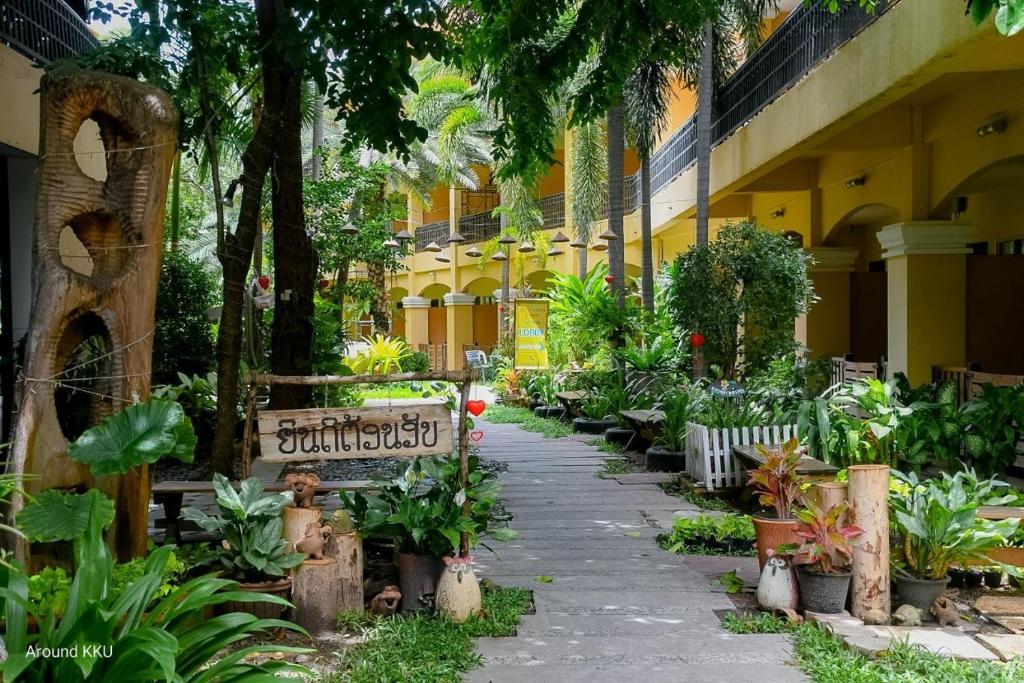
<point>618,608</point>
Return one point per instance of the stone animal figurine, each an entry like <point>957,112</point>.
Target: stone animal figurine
<point>458,592</point>
<point>907,615</point>
<point>944,612</point>
<point>303,487</point>
<point>314,541</point>
<point>875,617</point>
<point>386,602</point>
<point>341,522</point>
<point>777,587</point>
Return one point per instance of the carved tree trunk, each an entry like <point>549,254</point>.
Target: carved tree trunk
<point>98,240</point>
<point>868,493</point>
<point>379,307</point>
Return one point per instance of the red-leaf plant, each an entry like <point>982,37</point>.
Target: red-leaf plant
<point>827,548</point>
<point>776,481</point>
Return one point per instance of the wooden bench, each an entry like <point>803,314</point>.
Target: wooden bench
<point>572,401</point>
<point>1012,556</point>
<point>171,494</point>
<point>812,468</point>
<point>646,423</point>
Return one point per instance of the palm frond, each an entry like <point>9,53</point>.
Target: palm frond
<point>646,96</point>
<point>588,177</point>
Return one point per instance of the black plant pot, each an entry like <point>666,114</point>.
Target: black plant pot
<point>823,593</point>
<point>541,411</point>
<point>619,436</point>
<point>588,425</point>
<point>920,593</point>
<point>973,578</point>
<point>662,460</point>
<point>534,402</point>
<point>956,577</point>
<point>994,578</point>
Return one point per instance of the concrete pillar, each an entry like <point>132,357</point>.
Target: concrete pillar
<point>826,327</point>
<point>926,281</point>
<point>417,324</point>
<point>454,216</point>
<point>459,308</point>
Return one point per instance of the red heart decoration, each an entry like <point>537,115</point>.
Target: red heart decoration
<point>476,436</point>
<point>476,406</point>
<point>697,340</point>
<point>264,281</point>
<point>609,279</point>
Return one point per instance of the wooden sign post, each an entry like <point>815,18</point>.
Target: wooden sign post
<point>400,430</point>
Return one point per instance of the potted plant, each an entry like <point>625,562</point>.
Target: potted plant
<point>543,388</point>
<point>937,528</point>
<point>668,452</point>
<point>823,557</point>
<point>777,485</point>
<point>254,550</point>
<point>596,409</point>
<point>421,511</point>
<point>619,400</point>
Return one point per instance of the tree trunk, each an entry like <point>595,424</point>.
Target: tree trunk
<point>503,307</point>
<point>235,254</point>
<point>294,264</point>
<point>646,257</point>
<point>581,263</point>
<point>868,493</point>
<point>705,105</point>
<point>379,306</point>
<point>616,152</point>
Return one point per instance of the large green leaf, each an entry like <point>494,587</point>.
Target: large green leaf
<point>56,516</point>
<point>140,434</point>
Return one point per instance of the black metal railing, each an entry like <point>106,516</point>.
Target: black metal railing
<point>44,30</point>
<point>552,208</point>
<point>432,232</point>
<point>808,36</point>
<point>480,227</point>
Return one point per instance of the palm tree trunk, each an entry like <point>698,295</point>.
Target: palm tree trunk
<point>316,163</point>
<point>646,257</point>
<point>581,268</point>
<point>377,276</point>
<point>616,153</point>
<point>705,102</point>
<point>176,203</point>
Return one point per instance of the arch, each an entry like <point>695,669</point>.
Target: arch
<point>1005,173</point>
<point>435,290</point>
<point>870,215</point>
<point>537,280</point>
<point>482,286</point>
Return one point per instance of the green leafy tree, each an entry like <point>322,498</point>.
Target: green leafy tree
<point>183,339</point>
<point>1009,14</point>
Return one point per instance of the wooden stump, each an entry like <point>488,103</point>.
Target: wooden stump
<point>296,520</point>
<point>314,595</point>
<point>828,494</point>
<point>869,509</point>
<point>347,551</point>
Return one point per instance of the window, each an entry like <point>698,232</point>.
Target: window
<point>1010,247</point>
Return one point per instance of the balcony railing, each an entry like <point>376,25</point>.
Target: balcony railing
<point>552,208</point>
<point>808,36</point>
<point>432,232</point>
<point>44,30</point>
<point>479,227</point>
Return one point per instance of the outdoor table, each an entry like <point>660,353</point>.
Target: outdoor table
<point>646,423</point>
<point>809,467</point>
<point>571,400</point>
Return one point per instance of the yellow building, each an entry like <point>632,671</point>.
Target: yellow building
<point>891,144</point>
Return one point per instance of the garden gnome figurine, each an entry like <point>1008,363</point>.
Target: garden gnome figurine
<point>458,593</point>
<point>777,588</point>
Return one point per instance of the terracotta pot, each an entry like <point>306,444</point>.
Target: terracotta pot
<point>263,610</point>
<point>417,580</point>
<point>771,533</point>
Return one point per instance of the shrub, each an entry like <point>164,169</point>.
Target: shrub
<point>417,361</point>
<point>726,535</point>
<point>183,337</point>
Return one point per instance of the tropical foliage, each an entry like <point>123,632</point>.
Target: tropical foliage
<point>827,547</point>
<point>776,481</point>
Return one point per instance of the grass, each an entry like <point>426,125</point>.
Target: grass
<point>615,466</point>
<point>677,487</point>
<point>525,418</point>
<point>606,446</point>
<point>426,649</point>
<point>398,390</point>
<point>730,535</point>
<point>755,622</point>
<point>826,659</point>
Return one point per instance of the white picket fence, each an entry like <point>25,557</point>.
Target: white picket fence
<point>709,458</point>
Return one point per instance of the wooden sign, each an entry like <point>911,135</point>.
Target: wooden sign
<point>397,431</point>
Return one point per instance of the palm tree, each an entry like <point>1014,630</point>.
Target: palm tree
<point>588,183</point>
<point>646,98</point>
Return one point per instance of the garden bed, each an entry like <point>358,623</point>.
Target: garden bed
<point>359,469</point>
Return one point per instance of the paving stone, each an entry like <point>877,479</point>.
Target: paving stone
<point>945,642</point>
<point>567,625</point>
<point>1000,604</point>
<point>644,478</point>
<point>1012,624</point>
<point>646,672</point>
<point>1006,645</point>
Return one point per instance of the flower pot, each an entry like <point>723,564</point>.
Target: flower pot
<point>824,593</point>
<point>262,610</point>
<point>956,577</point>
<point>417,580</point>
<point>619,436</point>
<point>662,460</point>
<point>973,578</point>
<point>771,533</point>
<point>534,403</point>
<point>920,593</point>
<point>994,578</point>
<point>588,425</point>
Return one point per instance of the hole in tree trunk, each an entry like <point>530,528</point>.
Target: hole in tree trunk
<point>82,397</point>
<point>90,152</point>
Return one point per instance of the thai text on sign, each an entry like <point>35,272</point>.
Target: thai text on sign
<point>398,431</point>
<point>531,334</point>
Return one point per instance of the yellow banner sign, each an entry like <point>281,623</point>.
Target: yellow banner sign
<point>531,334</point>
